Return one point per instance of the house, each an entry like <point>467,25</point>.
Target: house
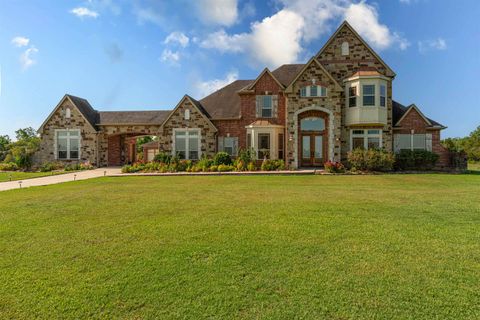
<point>306,114</point>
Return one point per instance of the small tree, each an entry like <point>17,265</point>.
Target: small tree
<point>25,147</point>
<point>4,143</point>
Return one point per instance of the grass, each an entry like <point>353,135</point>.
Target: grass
<point>19,175</point>
<point>474,166</point>
<point>270,247</point>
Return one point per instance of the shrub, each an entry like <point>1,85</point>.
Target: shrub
<point>8,166</point>
<point>163,157</point>
<point>334,167</point>
<point>246,155</point>
<point>225,168</point>
<point>222,158</point>
<point>51,166</point>
<point>213,168</point>
<point>79,166</point>
<point>371,160</point>
<point>251,166</point>
<point>204,164</point>
<point>416,160</point>
<point>239,165</point>
<point>272,165</point>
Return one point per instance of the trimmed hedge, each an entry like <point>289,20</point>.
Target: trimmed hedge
<point>371,160</point>
<point>415,160</point>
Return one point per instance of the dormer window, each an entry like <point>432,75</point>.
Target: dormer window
<point>68,113</point>
<point>313,91</point>
<point>345,49</point>
<point>187,114</point>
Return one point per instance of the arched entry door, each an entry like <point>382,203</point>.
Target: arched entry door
<point>313,138</point>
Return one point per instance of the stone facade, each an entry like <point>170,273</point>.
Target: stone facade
<point>110,143</point>
<point>343,66</point>
<point>197,120</point>
<point>59,121</point>
<point>331,105</point>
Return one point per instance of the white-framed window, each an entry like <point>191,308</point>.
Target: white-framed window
<point>383,95</point>
<point>419,141</point>
<point>187,143</point>
<point>345,49</point>
<point>228,145</point>
<point>313,91</point>
<point>352,96</point>
<point>365,139</point>
<point>368,94</point>
<point>263,145</point>
<point>68,113</point>
<point>187,114</point>
<point>266,106</point>
<point>67,144</point>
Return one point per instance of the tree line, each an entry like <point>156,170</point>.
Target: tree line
<point>21,150</point>
<point>469,144</point>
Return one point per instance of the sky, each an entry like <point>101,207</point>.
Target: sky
<point>146,54</point>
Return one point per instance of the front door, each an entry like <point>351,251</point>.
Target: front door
<point>313,150</point>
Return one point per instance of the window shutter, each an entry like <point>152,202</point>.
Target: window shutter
<point>235,146</point>
<point>275,106</point>
<point>258,106</point>
<point>428,140</point>
<point>220,144</point>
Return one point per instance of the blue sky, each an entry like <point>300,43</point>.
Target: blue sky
<point>146,54</point>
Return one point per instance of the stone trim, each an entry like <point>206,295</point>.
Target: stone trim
<point>330,131</point>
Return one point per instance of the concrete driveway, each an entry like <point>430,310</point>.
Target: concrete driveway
<point>43,181</point>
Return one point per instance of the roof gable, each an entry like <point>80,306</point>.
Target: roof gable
<point>197,105</point>
<point>313,60</point>
<point>82,105</point>
<point>262,74</point>
<point>345,24</point>
<point>225,102</point>
<point>400,112</point>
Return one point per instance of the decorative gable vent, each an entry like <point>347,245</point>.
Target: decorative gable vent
<point>345,49</point>
<point>68,113</point>
<point>187,114</point>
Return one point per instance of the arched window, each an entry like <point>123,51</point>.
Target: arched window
<point>312,124</point>
<point>187,114</point>
<point>68,113</point>
<point>345,49</point>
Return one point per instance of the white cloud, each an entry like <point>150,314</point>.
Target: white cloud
<point>435,44</point>
<point>20,42</point>
<point>170,56</point>
<point>204,88</point>
<point>27,57</point>
<point>177,38</point>
<point>83,12</point>
<point>148,15</point>
<point>300,22</point>
<point>218,12</point>
<point>364,18</point>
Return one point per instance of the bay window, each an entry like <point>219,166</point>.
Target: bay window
<point>263,145</point>
<point>67,144</point>
<point>366,139</point>
<point>187,144</point>
<point>383,95</point>
<point>352,96</point>
<point>368,95</point>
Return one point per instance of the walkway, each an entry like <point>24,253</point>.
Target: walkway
<point>43,181</point>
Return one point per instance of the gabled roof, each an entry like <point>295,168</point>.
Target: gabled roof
<point>132,117</point>
<point>400,111</point>
<point>287,72</point>
<point>225,102</point>
<point>197,105</point>
<point>347,25</point>
<point>265,71</point>
<point>305,67</point>
<point>82,105</point>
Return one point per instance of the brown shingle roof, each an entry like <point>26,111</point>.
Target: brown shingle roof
<point>224,103</point>
<point>287,72</point>
<point>132,117</point>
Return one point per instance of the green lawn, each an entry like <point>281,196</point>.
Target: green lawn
<point>474,166</point>
<point>276,247</point>
<point>18,175</point>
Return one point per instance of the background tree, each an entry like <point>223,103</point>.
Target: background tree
<point>22,150</point>
<point>4,143</point>
<point>470,145</point>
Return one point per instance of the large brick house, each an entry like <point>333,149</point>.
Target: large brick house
<point>306,114</point>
